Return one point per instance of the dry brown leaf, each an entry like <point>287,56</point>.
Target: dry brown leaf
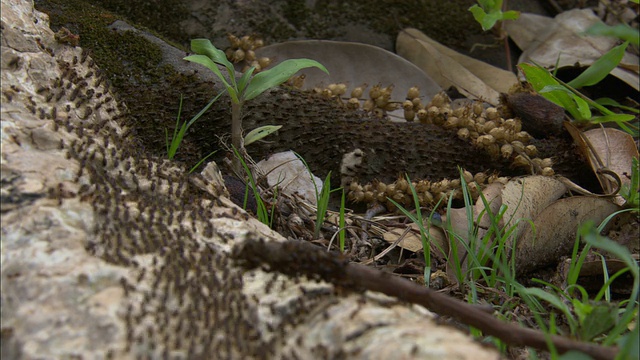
<point>554,230</point>
<point>547,41</point>
<point>413,242</point>
<point>526,197</point>
<point>616,149</point>
<point>472,77</point>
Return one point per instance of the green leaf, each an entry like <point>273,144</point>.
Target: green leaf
<point>545,84</point>
<point>259,133</point>
<point>278,75</point>
<point>579,108</point>
<point>605,101</point>
<point>620,31</point>
<point>539,78</point>
<point>490,12</point>
<point>599,319</point>
<point>179,134</point>
<point>618,118</point>
<point>206,61</point>
<point>480,15</point>
<point>600,68</point>
<point>510,15</point>
<point>244,80</point>
<point>583,108</point>
<point>205,47</point>
<point>552,299</point>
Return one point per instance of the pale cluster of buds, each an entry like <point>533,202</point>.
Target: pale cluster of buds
<point>429,192</point>
<point>242,50</point>
<point>378,101</point>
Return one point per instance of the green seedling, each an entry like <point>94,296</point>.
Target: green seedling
<point>178,134</point>
<point>262,212</point>
<point>322,197</point>
<point>247,86</point>
<point>488,12</point>
<point>341,234</point>
<point>631,192</point>
<point>424,232</point>
<point>592,319</point>
<point>578,105</point>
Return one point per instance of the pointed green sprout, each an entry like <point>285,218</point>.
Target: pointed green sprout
<point>248,86</point>
<point>490,12</point>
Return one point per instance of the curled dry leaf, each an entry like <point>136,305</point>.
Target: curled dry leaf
<point>616,149</point>
<point>526,197</point>
<point>591,275</point>
<point>554,230</point>
<point>472,77</point>
<point>354,64</point>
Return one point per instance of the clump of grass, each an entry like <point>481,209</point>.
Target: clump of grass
<point>261,209</point>
<point>489,263</point>
<point>180,130</point>
<point>424,232</point>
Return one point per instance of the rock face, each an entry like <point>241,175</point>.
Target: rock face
<point>110,253</point>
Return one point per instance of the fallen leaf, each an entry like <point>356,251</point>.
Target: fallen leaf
<point>591,275</point>
<point>616,149</point>
<point>447,67</point>
<point>412,241</point>
<point>526,197</point>
<point>560,40</point>
<point>553,233</point>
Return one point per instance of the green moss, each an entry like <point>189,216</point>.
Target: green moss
<point>164,16</point>
<point>108,48</point>
<point>132,64</point>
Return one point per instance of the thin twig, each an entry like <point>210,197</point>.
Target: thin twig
<point>299,258</point>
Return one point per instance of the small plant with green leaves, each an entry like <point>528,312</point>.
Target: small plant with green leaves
<point>322,197</point>
<point>488,12</point>
<point>631,192</point>
<point>180,130</point>
<point>424,232</point>
<point>599,318</point>
<point>578,105</point>
<point>341,223</point>
<point>247,87</point>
